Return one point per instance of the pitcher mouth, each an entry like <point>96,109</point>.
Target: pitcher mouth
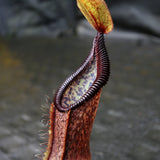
<point>90,77</point>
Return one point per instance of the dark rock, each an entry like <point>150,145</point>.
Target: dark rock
<point>4,131</point>
<point>154,134</point>
<point>138,18</point>
<point>35,17</point>
<point>25,152</point>
<point>3,156</point>
<point>144,152</point>
<point>59,17</point>
<point>10,143</point>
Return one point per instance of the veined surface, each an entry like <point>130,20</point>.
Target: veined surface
<point>81,84</point>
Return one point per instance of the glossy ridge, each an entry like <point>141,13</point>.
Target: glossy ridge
<point>98,57</point>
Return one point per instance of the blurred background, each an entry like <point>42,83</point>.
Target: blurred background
<point>60,17</point>
<point>43,42</point>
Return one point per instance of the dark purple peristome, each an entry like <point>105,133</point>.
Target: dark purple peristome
<point>100,54</point>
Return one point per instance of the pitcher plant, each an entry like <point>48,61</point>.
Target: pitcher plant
<point>73,108</point>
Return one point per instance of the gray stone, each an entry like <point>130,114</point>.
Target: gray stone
<point>154,133</point>
<point>113,117</point>
<point>145,152</point>
<point>33,17</point>
<point>4,131</point>
<point>131,101</point>
<point>33,129</point>
<point>115,113</point>
<point>26,152</point>
<point>9,143</point>
<point>3,156</point>
<point>26,118</point>
<point>141,16</point>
